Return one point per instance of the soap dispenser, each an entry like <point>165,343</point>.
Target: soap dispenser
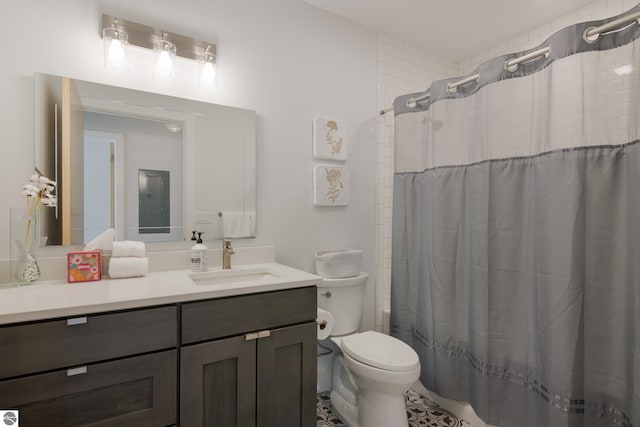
<point>199,255</point>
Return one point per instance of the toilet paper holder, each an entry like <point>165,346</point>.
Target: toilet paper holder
<point>322,324</point>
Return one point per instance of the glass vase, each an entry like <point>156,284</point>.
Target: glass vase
<point>25,243</point>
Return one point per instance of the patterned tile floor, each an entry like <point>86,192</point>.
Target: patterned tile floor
<point>421,412</point>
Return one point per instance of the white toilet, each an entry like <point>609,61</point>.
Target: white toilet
<point>374,370</point>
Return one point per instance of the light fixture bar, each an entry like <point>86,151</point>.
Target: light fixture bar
<point>143,36</point>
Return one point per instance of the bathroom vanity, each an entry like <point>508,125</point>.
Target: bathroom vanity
<point>172,353</point>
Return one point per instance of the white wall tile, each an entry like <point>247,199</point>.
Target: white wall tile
<point>564,21</point>
<point>589,11</point>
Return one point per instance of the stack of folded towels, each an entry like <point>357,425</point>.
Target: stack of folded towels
<point>128,260</point>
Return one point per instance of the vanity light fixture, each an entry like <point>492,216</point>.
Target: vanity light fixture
<point>164,53</point>
<point>165,45</point>
<point>116,43</point>
<point>208,69</point>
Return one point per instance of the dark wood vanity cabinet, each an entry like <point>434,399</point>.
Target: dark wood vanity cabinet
<point>243,361</point>
<point>135,391</point>
<point>249,360</point>
<point>105,369</point>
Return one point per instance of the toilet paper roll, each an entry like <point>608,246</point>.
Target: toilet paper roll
<point>324,324</point>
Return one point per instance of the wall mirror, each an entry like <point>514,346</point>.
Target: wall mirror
<point>153,167</point>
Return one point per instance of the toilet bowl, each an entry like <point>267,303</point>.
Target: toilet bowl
<point>372,371</point>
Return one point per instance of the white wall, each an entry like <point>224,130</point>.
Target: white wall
<point>285,59</point>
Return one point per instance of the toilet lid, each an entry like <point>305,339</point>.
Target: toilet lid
<point>380,351</point>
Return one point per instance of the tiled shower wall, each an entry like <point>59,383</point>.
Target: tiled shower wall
<point>402,69</point>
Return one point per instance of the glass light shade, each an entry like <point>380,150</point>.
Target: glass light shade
<point>164,53</point>
<point>208,70</point>
<point>116,45</point>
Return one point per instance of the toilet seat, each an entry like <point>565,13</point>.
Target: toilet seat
<point>380,351</point>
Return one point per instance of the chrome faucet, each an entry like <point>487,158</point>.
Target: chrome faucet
<point>227,251</point>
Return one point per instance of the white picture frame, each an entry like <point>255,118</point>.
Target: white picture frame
<point>330,185</point>
<point>329,140</point>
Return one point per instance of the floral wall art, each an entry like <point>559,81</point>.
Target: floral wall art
<point>329,140</point>
<point>330,181</point>
<point>331,185</point>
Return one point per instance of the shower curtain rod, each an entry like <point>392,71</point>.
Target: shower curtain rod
<point>453,87</point>
<point>591,35</point>
<point>411,102</point>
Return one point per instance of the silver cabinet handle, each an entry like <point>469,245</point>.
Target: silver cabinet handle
<point>255,335</point>
<point>77,321</point>
<point>76,371</point>
<point>326,294</point>
<point>251,336</point>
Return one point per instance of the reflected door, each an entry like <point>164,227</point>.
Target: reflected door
<point>99,213</point>
<point>153,198</point>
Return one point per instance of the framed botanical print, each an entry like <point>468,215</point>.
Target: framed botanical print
<point>329,140</point>
<point>331,185</point>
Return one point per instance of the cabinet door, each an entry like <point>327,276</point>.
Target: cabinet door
<point>136,391</point>
<point>217,383</point>
<point>287,377</point>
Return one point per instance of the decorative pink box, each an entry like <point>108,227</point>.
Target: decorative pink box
<point>84,266</point>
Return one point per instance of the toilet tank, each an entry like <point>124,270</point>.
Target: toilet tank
<point>343,298</point>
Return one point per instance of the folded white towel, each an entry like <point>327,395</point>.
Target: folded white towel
<point>128,248</point>
<point>128,267</point>
<point>238,224</point>
<point>103,241</point>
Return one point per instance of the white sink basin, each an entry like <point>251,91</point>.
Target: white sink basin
<point>222,277</point>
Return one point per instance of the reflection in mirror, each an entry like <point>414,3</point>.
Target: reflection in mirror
<point>153,167</point>
<point>117,147</point>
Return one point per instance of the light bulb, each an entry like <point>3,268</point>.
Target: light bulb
<point>164,66</point>
<point>164,52</point>
<point>208,74</point>
<point>208,68</point>
<point>115,54</point>
<point>116,42</point>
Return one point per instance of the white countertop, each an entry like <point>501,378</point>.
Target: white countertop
<point>57,298</point>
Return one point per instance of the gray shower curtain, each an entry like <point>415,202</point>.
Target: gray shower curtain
<point>516,235</point>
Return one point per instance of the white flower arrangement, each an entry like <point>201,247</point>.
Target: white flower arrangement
<point>39,192</point>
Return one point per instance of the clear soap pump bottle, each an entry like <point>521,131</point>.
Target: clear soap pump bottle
<point>199,254</point>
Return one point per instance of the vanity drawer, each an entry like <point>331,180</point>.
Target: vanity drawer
<point>224,317</point>
<point>61,343</point>
<point>134,391</point>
